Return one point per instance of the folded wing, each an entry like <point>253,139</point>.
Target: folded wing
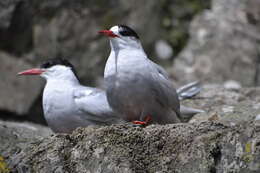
<point>93,106</point>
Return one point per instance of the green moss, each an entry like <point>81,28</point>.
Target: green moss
<point>248,147</point>
<point>3,166</point>
<point>248,158</point>
<point>176,17</point>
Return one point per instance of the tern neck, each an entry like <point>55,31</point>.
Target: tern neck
<point>117,44</point>
<point>64,81</point>
<point>66,76</point>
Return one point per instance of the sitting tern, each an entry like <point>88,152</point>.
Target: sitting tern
<point>66,103</point>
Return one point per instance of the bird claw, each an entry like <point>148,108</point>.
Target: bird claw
<point>143,123</point>
<point>140,123</point>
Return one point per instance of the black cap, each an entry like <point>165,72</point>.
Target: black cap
<point>58,61</point>
<point>127,31</point>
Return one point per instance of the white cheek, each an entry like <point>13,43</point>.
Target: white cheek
<point>47,74</point>
<point>115,30</point>
<point>44,75</point>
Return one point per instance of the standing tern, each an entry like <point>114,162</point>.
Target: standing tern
<point>137,89</point>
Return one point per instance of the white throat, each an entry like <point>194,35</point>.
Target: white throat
<point>129,43</point>
<point>123,54</point>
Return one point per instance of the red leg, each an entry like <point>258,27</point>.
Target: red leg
<point>145,122</point>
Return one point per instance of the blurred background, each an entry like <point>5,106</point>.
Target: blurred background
<point>213,41</point>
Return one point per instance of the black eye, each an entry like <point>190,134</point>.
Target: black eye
<point>46,65</point>
<point>127,31</point>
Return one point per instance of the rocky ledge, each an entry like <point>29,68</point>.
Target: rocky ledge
<point>226,138</point>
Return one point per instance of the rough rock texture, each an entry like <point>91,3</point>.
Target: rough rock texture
<point>227,105</point>
<point>15,137</point>
<point>225,139</point>
<point>32,31</point>
<point>204,147</point>
<point>224,44</point>
<point>14,134</point>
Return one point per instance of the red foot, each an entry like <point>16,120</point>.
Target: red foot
<point>139,122</point>
<point>145,122</point>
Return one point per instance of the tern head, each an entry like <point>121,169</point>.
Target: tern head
<point>54,69</point>
<point>122,37</point>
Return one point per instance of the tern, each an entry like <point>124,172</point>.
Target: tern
<point>137,89</point>
<point>66,103</point>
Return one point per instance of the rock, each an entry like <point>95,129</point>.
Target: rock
<point>223,139</point>
<point>223,45</point>
<point>175,21</point>
<point>257,118</point>
<point>163,49</point>
<point>7,8</point>
<point>16,27</point>
<point>17,93</point>
<point>231,84</point>
<point>226,105</point>
<point>15,137</point>
<point>200,147</point>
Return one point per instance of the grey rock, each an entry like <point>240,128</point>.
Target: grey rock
<point>224,139</point>
<point>226,105</point>
<point>200,147</point>
<point>16,136</point>
<point>7,8</point>
<point>224,44</point>
<point>17,95</point>
<point>163,49</point>
<point>231,84</point>
<point>16,26</point>
<point>257,118</point>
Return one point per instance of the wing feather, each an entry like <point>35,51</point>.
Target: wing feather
<point>163,88</point>
<point>93,105</point>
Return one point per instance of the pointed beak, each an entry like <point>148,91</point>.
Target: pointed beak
<point>108,33</point>
<point>34,71</point>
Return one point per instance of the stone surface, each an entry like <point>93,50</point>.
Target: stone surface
<point>17,93</point>
<point>226,105</point>
<point>223,139</point>
<point>163,49</point>
<point>200,147</point>
<point>224,44</point>
<point>7,8</point>
<point>231,84</point>
<point>15,137</point>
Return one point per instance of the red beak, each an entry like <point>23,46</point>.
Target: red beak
<point>108,33</point>
<point>34,71</point>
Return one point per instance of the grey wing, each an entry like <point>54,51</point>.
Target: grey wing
<point>189,90</point>
<point>160,70</point>
<point>163,88</point>
<point>92,104</point>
